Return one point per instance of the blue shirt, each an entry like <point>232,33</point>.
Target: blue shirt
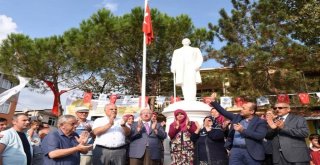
<point>238,139</point>
<point>57,140</point>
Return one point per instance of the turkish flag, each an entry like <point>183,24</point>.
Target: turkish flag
<point>147,26</point>
<point>113,99</point>
<point>283,98</point>
<point>239,101</point>
<point>304,98</point>
<point>87,97</point>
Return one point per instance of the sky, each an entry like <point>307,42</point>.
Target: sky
<point>44,18</point>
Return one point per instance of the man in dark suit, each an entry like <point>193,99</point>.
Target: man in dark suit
<point>146,137</point>
<point>288,133</point>
<point>246,134</point>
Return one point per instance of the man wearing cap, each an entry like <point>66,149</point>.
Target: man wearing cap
<point>84,125</point>
<point>111,132</point>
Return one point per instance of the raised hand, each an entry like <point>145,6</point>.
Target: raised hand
<point>83,137</point>
<point>88,127</point>
<point>188,123</point>
<point>213,96</point>
<point>154,124</point>
<point>139,125</point>
<point>111,119</point>
<point>198,127</point>
<point>163,123</point>
<point>271,123</point>
<point>124,120</point>
<point>279,124</point>
<point>177,125</point>
<point>84,148</point>
<point>238,127</point>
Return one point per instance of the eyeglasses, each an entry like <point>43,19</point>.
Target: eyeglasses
<point>275,108</point>
<point>146,113</point>
<point>84,112</point>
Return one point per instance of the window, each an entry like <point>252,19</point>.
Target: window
<point>6,84</point>
<point>5,108</point>
<point>52,121</point>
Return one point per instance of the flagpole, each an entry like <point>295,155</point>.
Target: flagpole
<point>143,85</point>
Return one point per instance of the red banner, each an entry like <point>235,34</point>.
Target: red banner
<point>55,107</point>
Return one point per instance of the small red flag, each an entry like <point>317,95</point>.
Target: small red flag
<point>304,98</point>
<point>87,97</point>
<point>147,26</point>
<point>283,98</point>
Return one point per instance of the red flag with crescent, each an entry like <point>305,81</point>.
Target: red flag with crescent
<point>147,26</point>
<point>304,98</point>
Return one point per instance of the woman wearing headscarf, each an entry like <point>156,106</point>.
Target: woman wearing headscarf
<point>209,143</point>
<point>182,148</point>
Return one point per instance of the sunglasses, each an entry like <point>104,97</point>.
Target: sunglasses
<point>275,108</point>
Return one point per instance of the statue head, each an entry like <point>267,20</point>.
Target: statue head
<point>186,42</point>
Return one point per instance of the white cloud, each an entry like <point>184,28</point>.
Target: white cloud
<point>111,6</point>
<point>7,26</point>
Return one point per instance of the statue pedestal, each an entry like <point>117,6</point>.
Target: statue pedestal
<point>195,110</point>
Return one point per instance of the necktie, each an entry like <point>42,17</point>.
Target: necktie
<point>146,125</point>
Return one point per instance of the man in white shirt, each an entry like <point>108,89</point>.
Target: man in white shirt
<point>14,145</point>
<point>110,132</point>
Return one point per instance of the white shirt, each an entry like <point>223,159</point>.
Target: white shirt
<point>113,137</point>
<point>285,116</point>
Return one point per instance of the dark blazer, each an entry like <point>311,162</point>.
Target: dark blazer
<point>254,134</point>
<point>140,139</point>
<point>291,139</point>
<point>213,146</point>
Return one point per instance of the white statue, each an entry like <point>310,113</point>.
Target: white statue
<point>186,63</point>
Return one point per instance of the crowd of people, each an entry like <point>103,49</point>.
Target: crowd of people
<point>223,138</point>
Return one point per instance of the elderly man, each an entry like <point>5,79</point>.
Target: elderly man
<point>14,145</point>
<point>64,145</point>
<point>146,137</point>
<point>288,133</point>
<point>111,132</point>
<point>84,125</point>
<point>186,63</point>
<point>246,134</point>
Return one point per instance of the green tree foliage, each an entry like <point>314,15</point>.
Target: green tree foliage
<point>274,43</point>
<point>103,53</point>
<point>121,48</point>
<point>41,59</point>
